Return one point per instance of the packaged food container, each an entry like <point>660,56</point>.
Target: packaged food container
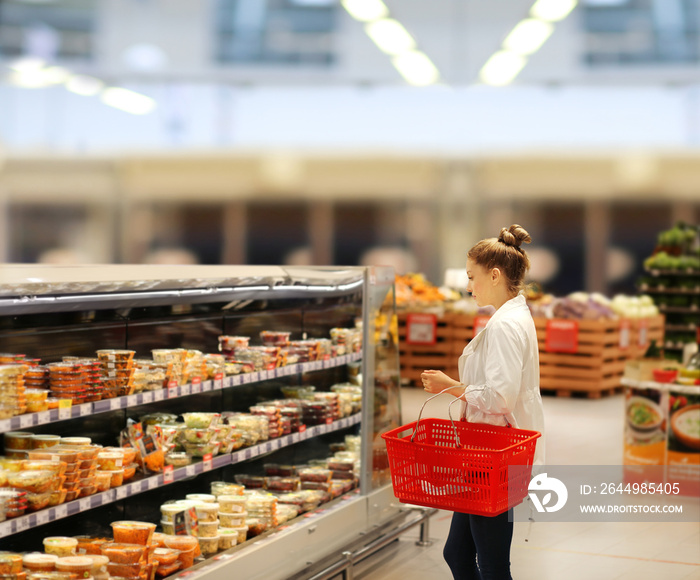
<point>192,435</point>
<point>36,561</point>
<point>224,488</point>
<point>168,526</point>
<point>228,538</point>
<point>103,480</point>
<point>110,460</point>
<point>90,545</point>
<point>72,494</point>
<point>54,575</point>
<point>116,477</point>
<point>133,532</point>
<point>123,553</point>
<point>274,338</point>
<point>81,566</point>
<point>87,464</point>
<point>44,441</point>
<point>187,545</point>
<point>202,449</point>
<point>99,565</point>
<point>158,540</point>
<point>165,556</point>
<point>201,420</point>
<point>231,503</point>
<point>73,468</point>
<point>231,520</point>
<point>207,529</point>
<point>177,459</point>
<point>115,569</point>
<point>76,441</point>
<point>57,497</point>
<point>209,546</point>
<point>20,440</point>
<point>32,481</point>
<point>282,483</point>
<point>57,467</point>
<point>207,511</point>
<point>242,532</point>
<point>10,563</point>
<point>55,453</point>
<point>250,481</point>
<point>60,545</point>
<point>16,453</point>
<point>170,510</point>
<point>87,490</point>
<point>129,471</point>
<point>38,501</point>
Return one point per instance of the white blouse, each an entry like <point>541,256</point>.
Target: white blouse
<point>500,368</point>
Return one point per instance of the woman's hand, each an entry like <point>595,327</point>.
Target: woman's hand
<point>437,381</point>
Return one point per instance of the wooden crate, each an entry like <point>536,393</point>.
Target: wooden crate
<point>654,329</point>
<point>462,326</point>
<point>415,358</point>
<point>595,369</point>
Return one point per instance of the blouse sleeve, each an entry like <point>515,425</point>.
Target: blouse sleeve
<point>503,369</point>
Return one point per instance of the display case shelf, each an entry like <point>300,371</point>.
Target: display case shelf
<point>28,420</point>
<point>41,517</point>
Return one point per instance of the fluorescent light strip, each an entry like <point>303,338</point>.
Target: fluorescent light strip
<point>392,38</point>
<point>526,38</point>
<point>126,100</point>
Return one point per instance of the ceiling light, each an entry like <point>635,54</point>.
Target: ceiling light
<point>390,36</point>
<point>552,10</point>
<point>26,64</point>
<point>366,10</point>
<point>416,68</point>
<point>84,85</point>
<point>528,36</point>
<point>502,68</point>
<point>129,101</point>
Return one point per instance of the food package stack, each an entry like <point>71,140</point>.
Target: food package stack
<point>315,477</point>
<point>174,359</point>
<point>262,512</point>
<point>150,375</point>
<point>193,366</point>
<point>317,412</point>
<point>130,554</point>
<point>95,387</point>
<point>117,370</point>
<point>67,380</point>
<point>12,390</point>
<point>273,415</point>
<point>333,402</point>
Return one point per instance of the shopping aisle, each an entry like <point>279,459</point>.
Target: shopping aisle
<point>579,431</point>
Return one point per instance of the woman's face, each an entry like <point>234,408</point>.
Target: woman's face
<point>480,283</point>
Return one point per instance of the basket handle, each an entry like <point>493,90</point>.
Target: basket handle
<point>449,412</point>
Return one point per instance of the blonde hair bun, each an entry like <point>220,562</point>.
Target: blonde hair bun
<point>514,236</point>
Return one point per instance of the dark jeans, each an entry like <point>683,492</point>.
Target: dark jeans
<point>478,547</point>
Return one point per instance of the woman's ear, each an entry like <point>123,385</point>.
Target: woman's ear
<point>495,275</point>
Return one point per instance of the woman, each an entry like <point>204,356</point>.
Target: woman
<point>499,385</point>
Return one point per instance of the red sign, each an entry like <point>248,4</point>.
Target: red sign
<point>480,323</point>
<point>421,328</point>
<point>562,336</point>
<point>168,475</point>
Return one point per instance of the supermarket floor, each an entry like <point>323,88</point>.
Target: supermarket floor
<point>579,431</point>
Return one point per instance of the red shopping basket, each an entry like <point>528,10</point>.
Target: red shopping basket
<point>486,474</point>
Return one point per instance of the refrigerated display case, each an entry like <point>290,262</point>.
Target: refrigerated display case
<point>47,313</point>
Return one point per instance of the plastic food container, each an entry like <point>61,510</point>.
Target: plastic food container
<point>274,338</point>
<point>103,480</point>
<point>207,529</point>
<point>57,467</point>
<point>202,449</point>
<point>39,562</point>
<point>89,545</point>
<point>201,420</point>
<point>10,563</point>
<point>124,570</point>
<point>32,481</point>
<point>116,477</point>
<point>231,503</point>
<point>192,435</point>
<point>232,520</point>
<point>206,511</point>
<point>76,441</point>
<point>209,546</point>
<point>81,566</point>
<point>99,565</point>
<point>133,532</point>
<point>60,545</point>
<point>165,556</point>
<point>56,453</point>
<point>38,501</point>
<point>242,532</point>
<point>110,460</point>
<point>168,526</point>
<point>129,471</point>
<point>177,459</point>
<point>187,545</point>
<point>18,440</point>
<point>228,538</point>
<point>169,510</point>
<point>224,488</point>
<point>122,553</point>
<point>45,441</point>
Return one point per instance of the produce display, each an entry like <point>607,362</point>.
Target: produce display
<point>672,279</point>
<point>195,527</point>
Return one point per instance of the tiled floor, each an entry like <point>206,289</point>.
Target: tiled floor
<point>579,431</point>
